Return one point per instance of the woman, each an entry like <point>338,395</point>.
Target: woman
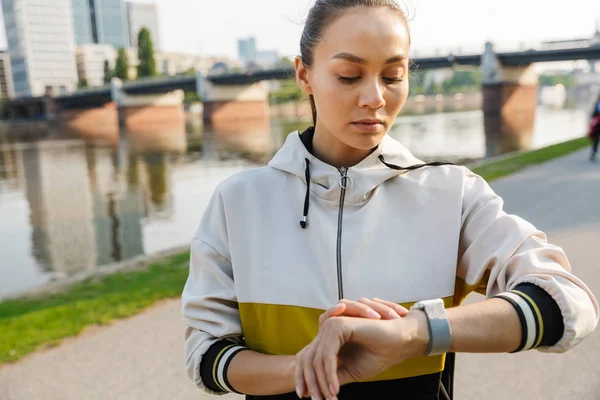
<point>595,129</point>
<point>293,256</point>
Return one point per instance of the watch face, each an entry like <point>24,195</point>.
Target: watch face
<point>436,311</point>
<point>434,308</point>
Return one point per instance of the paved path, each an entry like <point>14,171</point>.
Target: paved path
<point>141,358</point>
<point>562,198</point>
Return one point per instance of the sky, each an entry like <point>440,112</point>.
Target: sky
<point>212,27</point>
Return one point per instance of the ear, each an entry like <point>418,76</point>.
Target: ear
<point>302,76</point>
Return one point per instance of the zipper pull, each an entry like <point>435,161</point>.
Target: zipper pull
<point>346,182</point>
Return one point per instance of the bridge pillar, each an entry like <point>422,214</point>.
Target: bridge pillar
<point>509,104</point>
<point>138,111</point>
<point>228,103</point>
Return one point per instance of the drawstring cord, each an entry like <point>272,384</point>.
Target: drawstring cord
<point>412,167</point>
<point>304,221</point>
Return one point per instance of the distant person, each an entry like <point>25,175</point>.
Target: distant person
<point>344,225</point>
<point>595,129</point>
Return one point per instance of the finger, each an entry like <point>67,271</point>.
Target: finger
<point>329,355</point>
<point>319,370</point>
<point>325,359</point>
<point>334,311</point>
<point>402,311</point>
<point>357,309</point>
<point>384,310</point>
<point>310,378</point>
<point>318,364</point>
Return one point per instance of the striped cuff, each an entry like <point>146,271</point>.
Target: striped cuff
<point>214,364</point>
<point>541,318</point>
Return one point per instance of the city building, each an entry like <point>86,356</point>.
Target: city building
<point>6,82</point>
<point>252,58</point>
<point>172,63</point>
<point>41,46</point>
<point>91,58</point>
<point>217,65</point>
<point>143,15</point>
<point>90,62</point>
<point>100,22</point>
<point>267,59</point>
<point>247,50</point>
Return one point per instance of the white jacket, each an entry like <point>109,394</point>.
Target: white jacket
<point>438,232</point>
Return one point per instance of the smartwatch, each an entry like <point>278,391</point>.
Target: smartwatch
<point>440,336</point>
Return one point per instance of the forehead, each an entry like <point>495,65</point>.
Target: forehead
<point>374,34</point>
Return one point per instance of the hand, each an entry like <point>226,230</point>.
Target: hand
<point>351,349</point>
<point>364,308</point>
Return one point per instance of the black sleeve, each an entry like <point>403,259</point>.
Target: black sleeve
<point>541,319</point>
<point>214,364</point>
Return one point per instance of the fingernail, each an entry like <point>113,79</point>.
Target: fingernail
<point>298,392</point>
<point>331,390</point>
<point>373,314</point>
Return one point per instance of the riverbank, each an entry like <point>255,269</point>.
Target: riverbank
<point>415,105</point>
<point>43,317</point>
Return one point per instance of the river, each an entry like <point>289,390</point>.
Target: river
<point>72,203</point>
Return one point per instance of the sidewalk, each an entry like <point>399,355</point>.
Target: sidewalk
<point>562,198</point>
<point>142,358</point>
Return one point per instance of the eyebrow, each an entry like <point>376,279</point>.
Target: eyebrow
<point>358,60</point>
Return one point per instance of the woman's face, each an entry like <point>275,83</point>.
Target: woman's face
<point>359,76</point>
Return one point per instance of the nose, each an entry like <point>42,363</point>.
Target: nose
<point>371,95</point>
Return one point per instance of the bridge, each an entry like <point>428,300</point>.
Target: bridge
<point>85,98</point>
<point>509,87</point>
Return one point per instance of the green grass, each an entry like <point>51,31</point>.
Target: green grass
<point>507,166</point>
<point>28,323</point>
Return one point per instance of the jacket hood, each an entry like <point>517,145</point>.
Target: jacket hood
<point>325,182</point>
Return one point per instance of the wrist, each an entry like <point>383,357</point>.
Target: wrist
<point>290,372</point>
<point>418,333</point>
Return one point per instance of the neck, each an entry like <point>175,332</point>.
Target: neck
<point>327,148</point>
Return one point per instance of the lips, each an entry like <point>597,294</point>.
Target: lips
<point>369,121</point>
<point>369,125</point>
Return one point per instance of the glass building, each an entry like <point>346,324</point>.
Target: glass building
<point>40,43</point>
<point>100,22</point>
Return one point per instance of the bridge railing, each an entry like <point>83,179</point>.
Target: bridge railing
<point>499,47</point>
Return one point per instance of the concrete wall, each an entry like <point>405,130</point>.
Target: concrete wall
<point>139,116</point>
<point>299,110</point>
<point>223,111</point>
<point>100,123</point>
<point>509,98</point>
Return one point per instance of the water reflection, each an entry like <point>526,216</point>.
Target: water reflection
<point>506,133</point>
<point>80,197</point>
<point>87,197</point>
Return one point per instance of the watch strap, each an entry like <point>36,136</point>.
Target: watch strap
<point>440,336</point>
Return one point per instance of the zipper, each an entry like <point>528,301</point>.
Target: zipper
<point>344,184</point>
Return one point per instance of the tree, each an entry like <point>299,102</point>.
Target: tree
<point>285,62</point>
<point>417,82</point>
<point>83,83</point>
<point>191,97</point>
<point>289,92</point>
<point>147,66</point>
<point>108,73</point>
<point>122,65</point>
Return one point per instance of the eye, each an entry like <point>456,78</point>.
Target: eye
<point>348,79</point>
<point>393,80</point>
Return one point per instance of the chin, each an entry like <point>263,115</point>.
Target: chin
<point>364,141</point>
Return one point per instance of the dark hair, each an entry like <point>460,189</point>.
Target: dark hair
<point>323,13</point>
